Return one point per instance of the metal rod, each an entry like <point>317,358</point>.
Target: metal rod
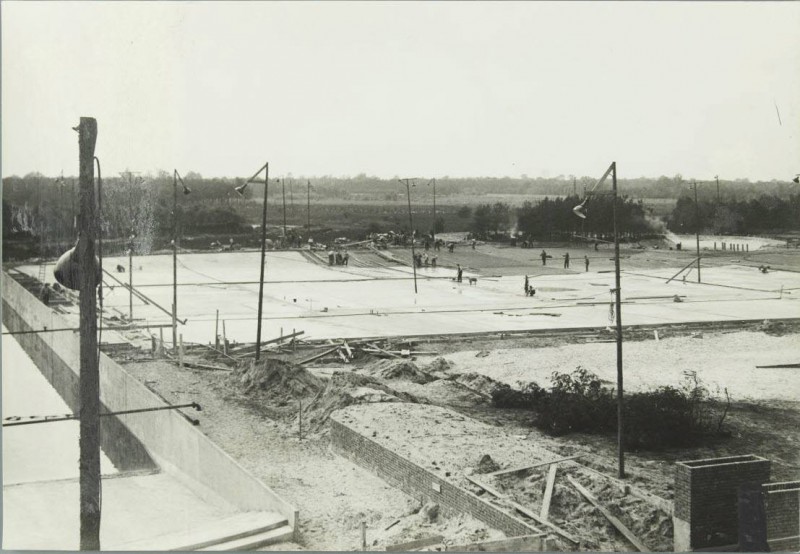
<point>16,420</point>
<point>697,229</point>
<point>89,382</point>
<point>620,388</point>
<point>283,193</point>
<point>263,260</point>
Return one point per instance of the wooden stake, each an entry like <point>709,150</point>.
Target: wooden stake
<point>225,340</point>
<point>300,419</point>
<point>89,384</point>
<point>548,492</point>
<point>180,350</point>
<point>363,535</point>
<point>216,332</point>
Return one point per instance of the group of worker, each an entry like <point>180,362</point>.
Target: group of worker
<point>338,257</point>
<point>544,255</point>
<point>421,260</point>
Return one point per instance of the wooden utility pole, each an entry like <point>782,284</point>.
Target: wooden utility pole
<point>308,213</point>
<point>409,184</point>
<point>89,386</point>
<point>697,229</point>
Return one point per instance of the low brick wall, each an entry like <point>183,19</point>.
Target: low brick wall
<point>706,499</point>
<point>782,510</point>
<point>418,482</point>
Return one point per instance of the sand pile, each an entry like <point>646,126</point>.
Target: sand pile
<point>277,379</point>
<point>399,369</point>
<point>477,382</point>
<point>344,389</point>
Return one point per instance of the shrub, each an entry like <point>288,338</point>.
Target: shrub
<point>663,418</point>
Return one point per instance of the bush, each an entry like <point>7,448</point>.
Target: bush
<point>577,402</point>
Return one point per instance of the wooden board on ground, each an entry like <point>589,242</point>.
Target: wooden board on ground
<point>627,533</point>
<point>532,466</point>
<point>413,545</point>
<point>548,492</point>
<point>525,543</point>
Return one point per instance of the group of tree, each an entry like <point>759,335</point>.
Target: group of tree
<point>767,213</point>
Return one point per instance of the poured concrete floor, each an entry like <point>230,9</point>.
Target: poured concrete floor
<point>378,299</point>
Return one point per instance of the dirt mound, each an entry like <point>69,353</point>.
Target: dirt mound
<point>774,328</point>
<point>399,369</point>
<point>277,379</point>
<point>479,383</point>
<point>344,389</point>
<point>487,465</point>
<point>439,365</point>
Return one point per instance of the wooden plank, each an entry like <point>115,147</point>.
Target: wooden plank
<point>347,349</point>
<point>523,510</point>
<point>525,543</point>
<point>484,486</point>
<point>203,366</point>
<point>318,356</point>
<point>247,348</point>
<point>413,545</point>
<point>373,345</point>
<point>548,492</point>
<point>786,366</point>
<point>627,533</point>
<point>523,468</point>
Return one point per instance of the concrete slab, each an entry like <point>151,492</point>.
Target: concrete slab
<point>45,515</point>
<point>352,301</point>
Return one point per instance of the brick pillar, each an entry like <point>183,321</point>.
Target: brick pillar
<point>782,510</point>
<point>706,499</point>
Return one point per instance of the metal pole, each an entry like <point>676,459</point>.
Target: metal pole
<point>618,301</point>
<point>434,211</point>
<point>263,256</point>
<point>175,258</point>
<point>283,192</point>
<point>89,383</point>
<point>130,280</point>
<point>697,229</point>
<point>411,227</point>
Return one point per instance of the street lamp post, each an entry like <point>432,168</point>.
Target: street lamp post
<point>612,169</point>
<point>186,190</point>
<point>240,191</point>
<point>409,183</point>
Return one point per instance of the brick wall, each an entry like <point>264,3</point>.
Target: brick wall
<point>420,483</point>
<point>782,507</point>
<point>706,496</point>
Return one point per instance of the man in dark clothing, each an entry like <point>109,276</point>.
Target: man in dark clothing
<point>566,260</point>
<point>459,272</point>
<point>586,261</point>
<point>526,285</point>
<point>544,257</point>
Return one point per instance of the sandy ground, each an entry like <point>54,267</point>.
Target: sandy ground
<point>721,360</point>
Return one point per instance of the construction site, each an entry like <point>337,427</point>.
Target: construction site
<point>371,409</point>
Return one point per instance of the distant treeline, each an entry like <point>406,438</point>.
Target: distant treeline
<point>766,213</point>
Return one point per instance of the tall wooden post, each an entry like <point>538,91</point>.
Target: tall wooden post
<point>697,229</point>
<point>283,192</point>
<point>263,261</point>
<point>89,386</point>
<point>618,302</point>
<point>308,212</point>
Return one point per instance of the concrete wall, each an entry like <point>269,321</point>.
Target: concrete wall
<point>166,436</point>
<point>706,499</point>
<point>418,482</point>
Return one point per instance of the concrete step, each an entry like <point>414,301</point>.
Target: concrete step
<point>281,534</point>
<point>225,530</point>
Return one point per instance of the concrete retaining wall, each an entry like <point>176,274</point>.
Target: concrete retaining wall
<point>418,482</point>
<point>166,436</point>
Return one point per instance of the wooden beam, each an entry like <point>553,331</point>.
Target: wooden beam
<point>525,543</point>
<point>627,533</point>
<point>548,492</point>
<point>318,356</point>
<point>487,488</point>
<point>523,468</point>
<point>373,345</point>
<point>413,545</point>
<point>525,511</point>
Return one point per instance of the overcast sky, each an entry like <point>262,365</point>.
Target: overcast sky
<point>409,89</point>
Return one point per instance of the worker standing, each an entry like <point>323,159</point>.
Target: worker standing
<point>586,261</point>
<point>566,260</point>
<point>527,284</point>
<point>459,272</point>
<point>544,257</point>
